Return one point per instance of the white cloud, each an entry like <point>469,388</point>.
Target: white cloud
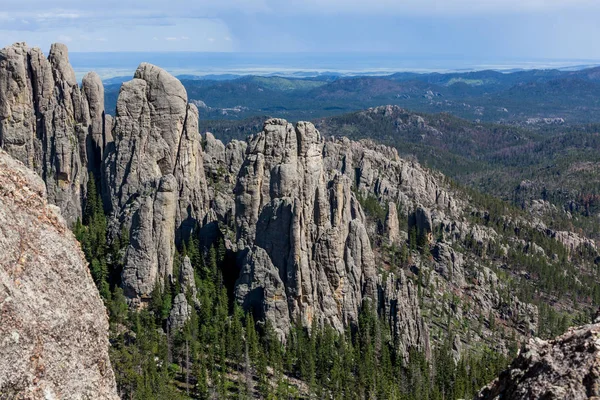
<point>227,25</point>
<point>58,15</point>
<point>4,16</point>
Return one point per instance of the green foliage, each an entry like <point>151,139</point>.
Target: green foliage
<point>223,352</point>
<point>92,236</point>
<point>372,207</point>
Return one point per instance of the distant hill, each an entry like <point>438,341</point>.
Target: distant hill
<point>489,96</point>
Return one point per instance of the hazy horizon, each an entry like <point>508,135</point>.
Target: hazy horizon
<point>303,64</point>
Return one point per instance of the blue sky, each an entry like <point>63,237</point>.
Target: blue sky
<point>493,29</point>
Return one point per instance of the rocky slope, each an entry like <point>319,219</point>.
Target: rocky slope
<point>564,368</point>
<point>54,328</point>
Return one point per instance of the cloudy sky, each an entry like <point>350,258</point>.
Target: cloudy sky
<point>558,29</point>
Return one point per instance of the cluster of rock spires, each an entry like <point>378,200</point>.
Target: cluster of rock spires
<point>51,124</point>
<point>154,175</point>
<point>53,325</point>
<point>300,234</point>
<point>286,203</point>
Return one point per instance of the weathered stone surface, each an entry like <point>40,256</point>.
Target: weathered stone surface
<point>17,114</point>
<point>309,223</point>
<point>186,276</point>
<point>48,123</point>
<point>379,171</point>
<point>155,175</point>
<point>450,264</point>
<point>53,325</point>
<point>400,307</point>
<point>567,367</point>
<point>96,139</point>
<point>259,288</point>
<point>222,164</point>
<point>573,241</point>
<point>421,221</point>
<point>392,225</point>
<point>180,313</point>
<point>149,256</point>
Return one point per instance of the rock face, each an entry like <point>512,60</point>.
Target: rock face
<point>400,307</point>
<point>307,227</point>
<point>186,277</point>
<point>565,368</point>
<point>48,123</point>
<point>96,139</point>
<point>392,228</point>
<point>155,175</point>
<point>222,164</point>
<point>305,253</point>
<point>261,289</point>
<point>180,312</point>
<point>54,328</point>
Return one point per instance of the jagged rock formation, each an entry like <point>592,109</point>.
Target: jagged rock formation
<point>155,175</point>
<point>180,313</point>
<point>304,248</point>
<point>308,222</point>
<point>54,328</point>
<point>46,120</point>
<point>392,228</point>
<point>186,277</point>
<point>567,367</point>
<point>260,288</point>
<point>96,139</point>
<point>222,164</point>
<point>400,307</point>
<point>302,217</point>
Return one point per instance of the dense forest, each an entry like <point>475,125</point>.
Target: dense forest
<point>222,352</point>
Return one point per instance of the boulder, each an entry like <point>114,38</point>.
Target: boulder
<point>54,327</point>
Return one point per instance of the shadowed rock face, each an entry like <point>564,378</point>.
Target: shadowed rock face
<point>155,175</point>
<point>96,141</point>
<point>308,221</point>
<point>53,325</point>
<point>48,123</point>
<point>301,232</point>
<point>567,367</point>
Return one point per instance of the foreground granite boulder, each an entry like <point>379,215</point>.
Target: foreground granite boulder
<point>53,324</point>
<point>567,367</point>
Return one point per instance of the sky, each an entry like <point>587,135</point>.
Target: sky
<point>486,29</point>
